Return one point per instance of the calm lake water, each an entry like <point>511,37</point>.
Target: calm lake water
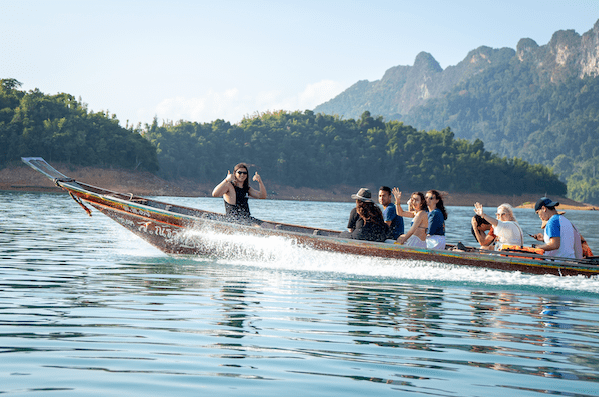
<point>86,308</point>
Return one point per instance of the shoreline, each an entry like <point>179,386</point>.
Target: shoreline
<point>142,183</point>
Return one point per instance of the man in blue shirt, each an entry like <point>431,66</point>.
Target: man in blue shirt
<point>560,236</point>
<point>390,216</point>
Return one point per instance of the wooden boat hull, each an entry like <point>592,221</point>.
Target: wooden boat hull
<point>182,230</point>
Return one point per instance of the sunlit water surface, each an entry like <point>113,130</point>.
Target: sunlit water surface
<point>86,308</point>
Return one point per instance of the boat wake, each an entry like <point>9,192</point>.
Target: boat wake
<point>280,253</point>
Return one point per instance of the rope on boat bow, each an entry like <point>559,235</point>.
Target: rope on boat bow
<point>78,201</point>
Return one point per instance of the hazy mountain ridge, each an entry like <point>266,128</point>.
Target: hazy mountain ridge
<point>538,103</point>
<point>402,87</point>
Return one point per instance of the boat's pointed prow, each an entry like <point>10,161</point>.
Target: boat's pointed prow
<point>40,165</point>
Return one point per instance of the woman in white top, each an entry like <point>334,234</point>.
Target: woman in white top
<point>416,236</point>
<point>505,227</point>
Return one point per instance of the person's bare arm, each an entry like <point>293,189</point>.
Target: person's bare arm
<point>553,244</point>
<point>259,194</point>
<point>398,210</point>
<point>417,221</point>
<point>478,209</point>
<point>224,187</point>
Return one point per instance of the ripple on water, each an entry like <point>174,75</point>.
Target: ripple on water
<point>87,308</point>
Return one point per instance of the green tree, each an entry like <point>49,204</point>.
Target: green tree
<point>304,149</point>
<point>59,128</point>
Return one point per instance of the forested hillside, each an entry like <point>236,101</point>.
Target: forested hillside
<point>538,103</point>
<point>553,124</point>
<point>59,128</point>
<point>315,150</point>
<point>298,149</point>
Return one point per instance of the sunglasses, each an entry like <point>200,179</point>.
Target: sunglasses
<point>242,172</point>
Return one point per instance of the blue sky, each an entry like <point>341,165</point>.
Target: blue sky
<point>206,60</point>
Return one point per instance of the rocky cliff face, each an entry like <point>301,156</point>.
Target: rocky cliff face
<point>566,55</point>
<point>589,53</point>
<point>403,87</point>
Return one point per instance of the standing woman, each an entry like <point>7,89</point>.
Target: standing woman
<point>436,220</point>
<point>416,236</point>
<point>235,190</point>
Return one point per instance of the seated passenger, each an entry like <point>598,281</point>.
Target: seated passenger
<point>478,228</point>
<point>505,227</point>
<point>561,238</point>
<point>366,219</point>
<point>586,250</point>
<point>416,236</point>
<point>235,190</point>
<point>437,215</point>
<point>394,221</point>
<point>410,213</point>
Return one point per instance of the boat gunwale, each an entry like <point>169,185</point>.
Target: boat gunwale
<point>488,259</point>
<point>511,258</point>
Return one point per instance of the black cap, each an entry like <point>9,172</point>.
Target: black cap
<point>545,202</point>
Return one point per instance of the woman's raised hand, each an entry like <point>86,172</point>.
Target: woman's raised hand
<point>257,178</point>
<point>397,195</point>
<point>478,209</point>
<point>230,177</point>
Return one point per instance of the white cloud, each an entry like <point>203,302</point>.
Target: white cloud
<point>312,96</point>
<point>231,106</point>
<point>320,92</point>
<point>213,105</point>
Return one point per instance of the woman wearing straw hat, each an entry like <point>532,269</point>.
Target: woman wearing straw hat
<point>366,219</point>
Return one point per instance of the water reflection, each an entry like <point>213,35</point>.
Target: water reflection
<point>405,317</point>
<point>84,308</point>
<point>378,306</point>
<point>502,325</point>
<point>234,310</point>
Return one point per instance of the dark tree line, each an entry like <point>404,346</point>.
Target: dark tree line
<point>59,128</point>
<point>316,150</point>
<point>300,149</point>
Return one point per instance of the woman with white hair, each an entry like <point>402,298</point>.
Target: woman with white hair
<point>505,226</point>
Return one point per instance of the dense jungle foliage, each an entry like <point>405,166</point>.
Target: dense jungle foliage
<point>315,150</point>
<point>555,124</point>
<point>300,149</point>
<point>60,129</point>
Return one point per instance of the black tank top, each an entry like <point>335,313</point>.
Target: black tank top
<point>241,209</point>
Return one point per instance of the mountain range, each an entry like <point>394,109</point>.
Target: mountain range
<point>537,102</point>
<point>402,88</point>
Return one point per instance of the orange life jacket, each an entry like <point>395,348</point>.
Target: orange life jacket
<point>586,250</point>
<point>517,248</point>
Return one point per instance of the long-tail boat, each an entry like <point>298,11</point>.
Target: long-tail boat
<point>176,229</point>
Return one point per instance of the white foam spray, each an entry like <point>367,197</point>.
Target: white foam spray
<point>277,252</point>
